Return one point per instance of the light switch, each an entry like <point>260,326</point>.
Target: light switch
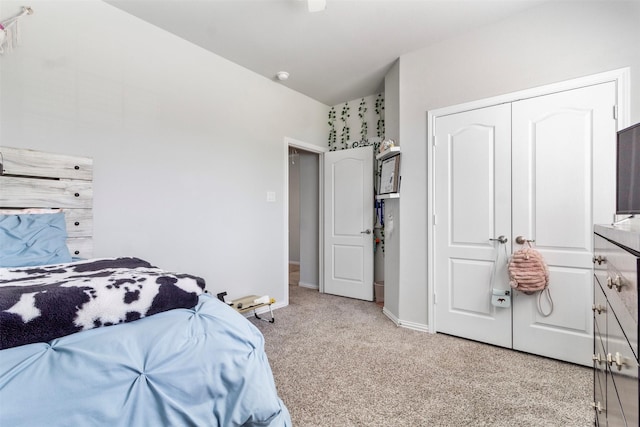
<point>271,196</point>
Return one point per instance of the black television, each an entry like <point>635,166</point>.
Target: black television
<point>628,171</point>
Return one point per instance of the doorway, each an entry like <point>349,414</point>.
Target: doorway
<point>303,208</point>
<point>304,217</point>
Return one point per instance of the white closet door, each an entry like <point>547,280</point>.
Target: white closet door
<point>472,206</point>
<point>563,182</point>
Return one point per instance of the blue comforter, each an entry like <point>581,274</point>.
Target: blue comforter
<point>204,366</point>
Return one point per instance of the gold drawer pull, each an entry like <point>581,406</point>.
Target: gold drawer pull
<point>599,259</point>
<point>597,358</point>
<point>618,282</point>
<point>597,406</point>
<point>617,360</point>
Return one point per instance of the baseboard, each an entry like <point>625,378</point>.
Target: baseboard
<point>413,325</point>
<point>391,316</point>
<point>405,324</point>
<point>308,285</point>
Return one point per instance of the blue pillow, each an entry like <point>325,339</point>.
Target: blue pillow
<point>33,239</point>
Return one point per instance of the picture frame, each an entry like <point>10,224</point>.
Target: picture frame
<point>390,175</point>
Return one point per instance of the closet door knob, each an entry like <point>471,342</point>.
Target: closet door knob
<point>521,240</point>
<point>501,239</point>
<point>367,231</point>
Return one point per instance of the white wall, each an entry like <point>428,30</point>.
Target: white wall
<point>553,42</point>
<point>354,122</point>
<point>309,219</point>
<point>391,206</point>
<point>294,207</point>
<point>185,144</point>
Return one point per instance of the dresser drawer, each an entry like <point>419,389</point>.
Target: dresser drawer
<point>623,367</point>
<point>599,349</point>
<point>599,383</point>
<point>600,309</point>
<point>614,415</point>
<point>620,284</point>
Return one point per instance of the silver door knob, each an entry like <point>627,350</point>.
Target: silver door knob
<point>367,231</point>
<point>521,240</point>
<point>501,239</point>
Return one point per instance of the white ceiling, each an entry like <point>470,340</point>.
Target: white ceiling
<point>333,56</point>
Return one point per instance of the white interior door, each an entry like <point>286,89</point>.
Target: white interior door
<point>563,183</point>
<point>472,206</point>
<point>348,228</point>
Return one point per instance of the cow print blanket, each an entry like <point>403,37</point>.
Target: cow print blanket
<point>38,304</point>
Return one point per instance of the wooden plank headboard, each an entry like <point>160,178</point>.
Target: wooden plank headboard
<point>37,179</point>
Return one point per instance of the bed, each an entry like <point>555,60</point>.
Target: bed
<point>90,341</point>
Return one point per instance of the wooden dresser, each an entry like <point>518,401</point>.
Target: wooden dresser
<point>615,312</point>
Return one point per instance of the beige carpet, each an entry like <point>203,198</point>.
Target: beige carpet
<point>341,362</point>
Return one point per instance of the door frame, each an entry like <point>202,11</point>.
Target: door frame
<point>294,143</point>
<point>620,76</point>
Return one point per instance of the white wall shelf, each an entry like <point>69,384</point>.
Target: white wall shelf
<point>388,196</point>
<point>392,151</point>
<point>388,153</point>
